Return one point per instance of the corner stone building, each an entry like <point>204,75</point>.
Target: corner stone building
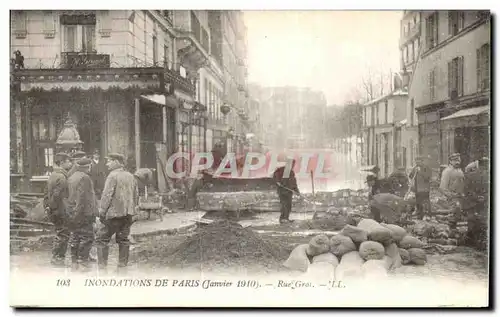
<point>129,79</point>
<point>450,85</point>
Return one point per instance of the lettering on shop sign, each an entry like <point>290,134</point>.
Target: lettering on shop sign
<point>87,61</point>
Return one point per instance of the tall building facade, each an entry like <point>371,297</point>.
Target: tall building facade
<point>449,84</point>
<point>145,83</point>
<point>292,117</point>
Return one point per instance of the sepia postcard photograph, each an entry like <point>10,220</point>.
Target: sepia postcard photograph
<point>250,158</point>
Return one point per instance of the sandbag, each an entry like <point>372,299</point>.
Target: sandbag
<point>340,245</point>
<point>371,250</point>
<point>376,232</point>
<point>350,266</point>
<point>352,258</point>
<point>417,256</point>
<point>374,269</point>
<point>298,259</point>
<point>326,257</point>
<point>318,245</point>
<point>392,251</point>
<point>321,272</point>
<point>387,262</point>
<point>398,233</point>
<point>356,234</point>
<point>405,256</point>
<point>409,242</point>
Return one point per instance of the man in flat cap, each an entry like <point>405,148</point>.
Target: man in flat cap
<point>452,186</point>
<point>75,157</point>
<point>117,207</point>
<point>55,206</point>
<point>83,212</point>
<point>420,177</point>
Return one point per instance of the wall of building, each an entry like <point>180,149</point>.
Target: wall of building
<point>127,40</point>
<point>464,45</point>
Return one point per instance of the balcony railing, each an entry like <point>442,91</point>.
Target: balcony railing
<point>75,60</point>
<point>413,32</point>
<point>179,82</point>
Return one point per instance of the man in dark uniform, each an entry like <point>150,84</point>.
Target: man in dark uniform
<point>476,204</point>
<point>117,208</point>
<point>75,157</point>
<point>83,212</point>
<point>287,186</point>
<point>55,206</point>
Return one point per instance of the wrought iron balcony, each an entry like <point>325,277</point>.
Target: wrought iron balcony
<point>411,34</point>
<point>178,82</point>
<point>76,60</point>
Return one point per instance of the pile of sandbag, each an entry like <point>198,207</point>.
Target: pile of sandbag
<point>368,250</point>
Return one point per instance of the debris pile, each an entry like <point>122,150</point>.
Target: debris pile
<point>224,244</point>
<point>370,249</point>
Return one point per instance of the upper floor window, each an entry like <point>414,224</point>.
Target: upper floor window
<point>431,30</point>
<point>386,108</point>
<point>456,77</point>
<point>155,51</point>
<point>456,22</point>
<point>483,67</point>
<point>432,84</point>
<point>412,112</point>
<point>79,33</point>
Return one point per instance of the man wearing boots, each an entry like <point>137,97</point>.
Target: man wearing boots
<point>118,205</point>
<point>287,186</point>
<point>82,210</point>
<point>55,206</point>
<point>452,187</point>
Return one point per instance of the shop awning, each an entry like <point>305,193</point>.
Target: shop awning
<point>467,118</point>
<point>158,99</point>
<point>468,113</point>
<point>172,101</point>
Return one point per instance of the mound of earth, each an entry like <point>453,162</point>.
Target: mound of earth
<point>226,244</point>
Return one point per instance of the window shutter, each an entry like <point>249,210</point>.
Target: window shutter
<point>486,57</point>
<point>450,78</point>
<point>49,24</point>
<point>19,18</point>
<point>450,22</point>
<point>478,69</point>
<point>460,77</point>
<point>105,24</point>
<point>461,20</point>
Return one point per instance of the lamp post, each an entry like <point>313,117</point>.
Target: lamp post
<point>225,109</point>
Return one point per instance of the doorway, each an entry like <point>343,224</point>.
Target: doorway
<point>151,125</point>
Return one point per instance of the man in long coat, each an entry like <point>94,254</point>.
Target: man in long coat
<point>286,187</point>
<point>55,206</point>
<point>82,210</point>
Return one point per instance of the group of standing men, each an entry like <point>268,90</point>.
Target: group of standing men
<point>72,204</point>
<point>467,194</point>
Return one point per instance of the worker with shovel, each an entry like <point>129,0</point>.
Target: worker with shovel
<point>286,181</point>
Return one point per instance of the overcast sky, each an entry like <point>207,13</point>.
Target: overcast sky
<point>324,50</point>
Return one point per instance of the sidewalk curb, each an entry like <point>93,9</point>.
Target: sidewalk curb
<point>171,231</point>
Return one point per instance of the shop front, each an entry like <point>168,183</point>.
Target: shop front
<point>101,103</point>
<point>467,131</point>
